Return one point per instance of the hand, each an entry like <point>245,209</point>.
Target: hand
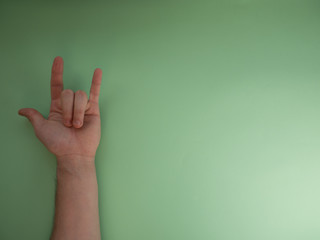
<point>73,125</point>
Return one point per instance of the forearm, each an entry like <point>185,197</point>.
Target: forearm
<point>76,212</point>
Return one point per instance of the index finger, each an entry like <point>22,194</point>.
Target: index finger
<point>95,85</point>
<point>56,78</point>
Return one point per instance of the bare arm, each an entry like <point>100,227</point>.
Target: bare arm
<point>72,134</point>
<point>76,213</point>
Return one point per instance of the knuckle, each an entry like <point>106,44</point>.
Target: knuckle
<point>67,92</point>
<point>81,93</point>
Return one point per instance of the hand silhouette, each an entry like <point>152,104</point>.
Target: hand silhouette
<point>73,125</point>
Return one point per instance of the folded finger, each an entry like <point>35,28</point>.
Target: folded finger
<point>79,108</point>
<point>67,98</point>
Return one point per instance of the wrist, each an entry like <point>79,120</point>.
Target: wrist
<point>75,164</point>
<point>74,158</point>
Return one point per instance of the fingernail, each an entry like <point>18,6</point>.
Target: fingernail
<point>77,123</point>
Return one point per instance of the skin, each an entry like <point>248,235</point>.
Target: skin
<point>72,133</point>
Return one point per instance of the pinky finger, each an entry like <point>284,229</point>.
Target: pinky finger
<point>95,85</point>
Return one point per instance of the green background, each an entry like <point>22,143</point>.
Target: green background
<point>210,116</point>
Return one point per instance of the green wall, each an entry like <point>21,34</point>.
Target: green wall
<point>210,116</point>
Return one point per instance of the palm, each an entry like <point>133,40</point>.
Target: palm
<point>64,140</point>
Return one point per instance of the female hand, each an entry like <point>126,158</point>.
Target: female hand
<point>73,125</point>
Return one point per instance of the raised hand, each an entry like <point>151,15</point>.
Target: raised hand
<point>73,126</point>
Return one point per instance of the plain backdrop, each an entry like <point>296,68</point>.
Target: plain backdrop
<point>210,116</point>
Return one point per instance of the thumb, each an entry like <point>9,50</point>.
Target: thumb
<point>33,116</point>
